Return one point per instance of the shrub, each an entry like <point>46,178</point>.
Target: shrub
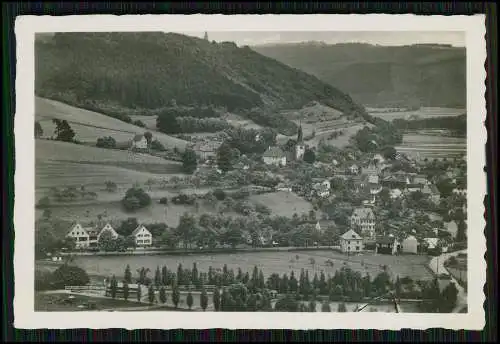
<point>106,142</point>
<point>135,198</point>
<point>157,145</point>
<point>183,199</point>
<point>219,194</point>
<point>68,275</point>
<point>164,200</point>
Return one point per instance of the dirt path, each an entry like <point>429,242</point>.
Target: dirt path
<point>437,266</point>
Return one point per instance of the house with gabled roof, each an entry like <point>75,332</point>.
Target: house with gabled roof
<point>85,237</point>
<point>365,220</point>
<point>139,142</point>
<point>274,156</point>
<point>142,236</point>
<point>110,229</point>
<point>351,242</point>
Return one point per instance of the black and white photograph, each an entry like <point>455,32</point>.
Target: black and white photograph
<point>254,170</point>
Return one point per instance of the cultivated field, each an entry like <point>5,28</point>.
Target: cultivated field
<point>89,125</point>
<point>269,262</point>
<point>283,203</point>
<point>432,146</point>
<point>422,113</point>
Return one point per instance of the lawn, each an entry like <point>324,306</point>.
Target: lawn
<point>283,203</point>
<point>421,113</point>
<point>96,124</point>
<point>149,121</point>
<point>432,146</point>
<point>270,262</point>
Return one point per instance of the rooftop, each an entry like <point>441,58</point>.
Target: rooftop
<point>274,152</point>
<point>350,234</point>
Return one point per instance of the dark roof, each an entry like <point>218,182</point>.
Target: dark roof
<point>385,239</point>
<point>138,137</point>
<point>274,152</point>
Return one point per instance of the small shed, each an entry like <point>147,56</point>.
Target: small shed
<point>410,245</point>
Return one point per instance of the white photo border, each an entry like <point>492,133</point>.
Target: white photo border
<point>24,205</point>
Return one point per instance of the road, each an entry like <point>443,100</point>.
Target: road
<point>437,266</point>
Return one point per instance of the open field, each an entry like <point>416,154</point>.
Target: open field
<point>270,262</point>
<point>283,203</point>
<point>425,112</point>
<point>114,212</point>
<point>92,125</point>
<point>432,146</point>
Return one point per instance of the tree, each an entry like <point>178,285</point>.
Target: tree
<point>448,298</point>
<point>461,232</point>
<point>107,242</point>
<point>113,286</point>
<point>69,275</point>
<point>151,294</point>
<point>135,198</point>
<point>309,156</point>
<point>312,306</point>
<point>389,153</point>
<point>166,122</point>
<point>125,290</point>
<point>189,161</point>
<point>195,278</point>
<point>325,307</point>
<point>139,123</point>
<point>216,299</point>
<point>176,295</point>
<point>111,186</point>
<point>157,276</point>
<point>189,299</point>
<point>38,130</point>
<point>128,274</point>
<point>139,296</point>
<point>186,230</point>
<point>163,295</point>
<point>157,145</point>
<point>149,137</point>
<point>63,130</point>
<point>106,142</point>
<point>225,157</point>
<point>342,308</point>
<point>203,298</point>
<point>287,304</point>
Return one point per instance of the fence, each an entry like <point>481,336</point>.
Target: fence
<point>95,289</point>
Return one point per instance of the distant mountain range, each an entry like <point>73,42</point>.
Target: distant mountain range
<point>382,76</point>
<point>126,71</point>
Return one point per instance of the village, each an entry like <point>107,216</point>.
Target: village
<point>382,202</point>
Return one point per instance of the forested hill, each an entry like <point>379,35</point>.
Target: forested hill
<point>377,76</point>
<point>127,70</point>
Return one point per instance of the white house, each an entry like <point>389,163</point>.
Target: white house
<point>300,149</point>
<point>322,189</point>
<point>323,225</point>
<point>142,236</point>
<point>274,156</point>
<point>410,245</point>
<point>80,235</point>
<point>373,179</point>
<point>139,142</point>
<point>379,159</point>
<point>207,150</point>
<point>351,241</point>
<point>365,219</point>
<point>110,229</point>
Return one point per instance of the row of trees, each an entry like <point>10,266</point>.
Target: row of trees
<point>63,131</point>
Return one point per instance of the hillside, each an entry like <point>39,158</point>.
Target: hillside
<point>89,125</point>
<point>125,73</point>
<point>380,76</point>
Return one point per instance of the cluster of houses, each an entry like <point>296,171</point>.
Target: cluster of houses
<point>88,237</point>
<point>278,157</point>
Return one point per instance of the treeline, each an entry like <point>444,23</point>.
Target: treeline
<point>382,135</point>
<point>457,125</point>
<point>275,120</point>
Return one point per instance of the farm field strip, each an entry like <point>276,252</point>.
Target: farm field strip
<point>48,109</point>
<point>283,203</point>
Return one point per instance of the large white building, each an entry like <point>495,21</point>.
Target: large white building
<point>139,142</point>
<point>350,242</point>
<point>365,220</point>
<point>274,156</point>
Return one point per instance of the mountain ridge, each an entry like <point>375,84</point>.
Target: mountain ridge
<point>412,75</point>
<point>120,72</point>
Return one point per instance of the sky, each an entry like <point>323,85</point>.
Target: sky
<point>389,38</point>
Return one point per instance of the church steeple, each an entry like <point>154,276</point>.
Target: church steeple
<point>299,134</point>
<point>206,36</point>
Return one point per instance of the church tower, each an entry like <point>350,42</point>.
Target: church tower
<point>206,36</point>
<point>300,147</point>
